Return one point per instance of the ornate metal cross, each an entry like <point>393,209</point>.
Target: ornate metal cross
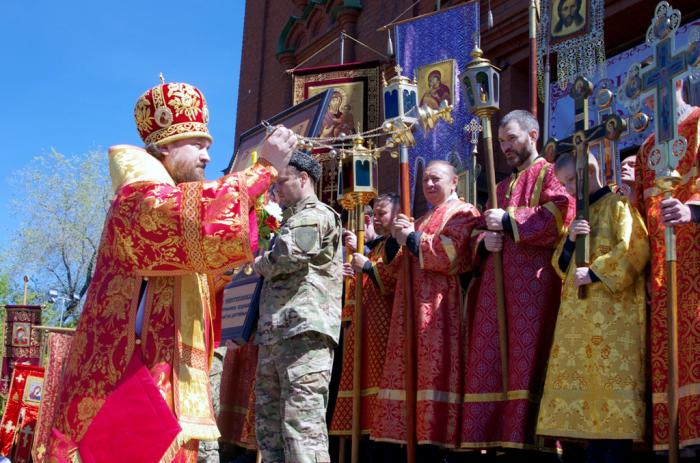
<point>578,142</point>
<point>473,129</point>
<point>667,67</point>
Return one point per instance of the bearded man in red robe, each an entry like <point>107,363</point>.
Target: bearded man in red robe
<point>533,209</point>
<point>135,385</point>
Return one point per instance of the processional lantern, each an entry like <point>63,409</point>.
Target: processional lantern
<point>400,99</point>
<point>359,175</point>
<point>481,81</point>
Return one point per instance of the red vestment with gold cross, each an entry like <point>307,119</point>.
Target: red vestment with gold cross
<point>178,237</point>
<point>377,299</point>
<point>649,198</point>
<point>445,253</point>
<point>539,208</point>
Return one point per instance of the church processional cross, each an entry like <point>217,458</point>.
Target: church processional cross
<point>611,128</point>
<point>668,66</point>
<point>473,129</point>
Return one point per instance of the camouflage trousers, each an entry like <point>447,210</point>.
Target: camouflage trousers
<point>209,450</point>
<point>291,389</point>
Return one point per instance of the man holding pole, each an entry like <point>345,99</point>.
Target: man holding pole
<point>677,212</point>
<point>533,209</point>
<point>439,248</point>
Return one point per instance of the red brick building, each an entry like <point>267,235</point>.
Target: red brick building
<point>281,34</point>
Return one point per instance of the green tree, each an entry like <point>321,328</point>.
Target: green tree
<point>61,202</point>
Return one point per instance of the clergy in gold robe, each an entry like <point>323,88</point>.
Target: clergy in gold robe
<point>594,387</point>
<point>135,384</point>
<point>439,249</point>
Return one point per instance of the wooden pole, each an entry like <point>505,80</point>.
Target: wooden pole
<point>533,58</point>
<point>409,318</point>
<point>667,185</point>
<point>348,259</point>
<point>357,345</point>
<point>258,457</point>
<point>497,257</point>
<point>26,285</point>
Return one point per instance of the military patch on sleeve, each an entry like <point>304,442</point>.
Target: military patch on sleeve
<point>305,237</point>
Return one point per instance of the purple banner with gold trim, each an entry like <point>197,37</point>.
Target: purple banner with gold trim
<point>434,49</point>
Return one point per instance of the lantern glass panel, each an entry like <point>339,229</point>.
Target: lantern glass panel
<point>470,91</point>
<point>391,104</point>
<point>409,100</point>
<point>375,176</point>
<point>482,83</point>
<point>495,89</point>
<point>362,173</point>
<point>348,177</point>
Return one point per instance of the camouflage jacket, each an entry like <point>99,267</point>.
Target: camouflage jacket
<point>302,290</point>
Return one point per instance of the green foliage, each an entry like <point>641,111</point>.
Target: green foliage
<point>61,202</point>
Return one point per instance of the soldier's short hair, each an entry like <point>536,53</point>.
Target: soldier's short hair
<point>525,120</point>
<point>305,163</point>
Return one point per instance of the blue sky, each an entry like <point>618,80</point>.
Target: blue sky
<point>72,71</point>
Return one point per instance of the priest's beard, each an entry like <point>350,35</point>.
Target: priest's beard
<point>516,158</point>
<point>187,172</point>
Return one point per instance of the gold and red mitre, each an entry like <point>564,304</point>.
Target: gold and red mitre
<point>171,112</point>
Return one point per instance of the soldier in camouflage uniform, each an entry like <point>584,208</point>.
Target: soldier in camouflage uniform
<point>299,321</point>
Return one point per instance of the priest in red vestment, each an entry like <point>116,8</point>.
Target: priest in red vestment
<point>378,272</point>
<point>135,385</point>
<point>533,209</point>
<point>439,249</point>
<point>680,212</point>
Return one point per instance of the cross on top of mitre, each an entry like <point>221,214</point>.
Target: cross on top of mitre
<point>659,80</point>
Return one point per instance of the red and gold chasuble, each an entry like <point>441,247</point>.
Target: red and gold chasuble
<point>237,416</point>
<point>178,237</point>
<point>539,207</point>
<point>688,284</point>
<point>445,253</point>
<point>377,299</point>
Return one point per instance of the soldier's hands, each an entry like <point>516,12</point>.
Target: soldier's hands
<point>358,262</point>
<point>347,270</point>
<point>494,219</point>
<point>493,241</point>
<point>582,276</point>
<point>578,227</point>
<point>401,228</point>
<point>350,240</point>
<point>674,212</point>
<point>277,149</point>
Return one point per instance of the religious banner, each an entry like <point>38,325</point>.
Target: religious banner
<point>573,29</point>
<point>562,108</point>
<point>19,418</point>
<point>433,49</point>
<point>304,119</point>
<point>21,344</point>
<point>57,350</point>
<point>353,107</point>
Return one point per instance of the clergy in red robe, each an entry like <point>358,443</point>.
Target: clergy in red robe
<point>135,384</point>
<point>378,272</point>
<point>533,209</point>
<point>680,212</point>
<point>439,249</point>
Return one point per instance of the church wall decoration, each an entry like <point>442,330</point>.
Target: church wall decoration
<point>439,41</point>
<point>21,342</point>
<point>562,108</point>
<point>353,106</point>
